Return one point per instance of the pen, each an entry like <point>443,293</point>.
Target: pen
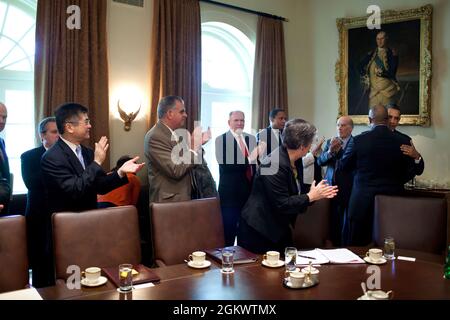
<point>307,257</point>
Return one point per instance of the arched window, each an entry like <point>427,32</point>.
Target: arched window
<point>17,31</point>
<point>227,80</point>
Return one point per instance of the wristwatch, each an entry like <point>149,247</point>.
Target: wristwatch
<point>417,161</point>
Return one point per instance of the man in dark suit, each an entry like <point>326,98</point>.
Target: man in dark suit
<point>330,157</point>
<point>272,134</point>
<point>409,149</point>
<point>236,153</point>
<point>35,212</point>
<point>5,183</point>
<point>72,173</point>
<point>380,168</point>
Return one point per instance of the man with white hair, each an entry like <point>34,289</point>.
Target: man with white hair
<point>378,69</point>
<point>236,153</point>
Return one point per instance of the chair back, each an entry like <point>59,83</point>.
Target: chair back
<point>312,228</point>
<point>100,238</point>
<point>179,228</point>
<point>13,253</point>
<point>415,223</point>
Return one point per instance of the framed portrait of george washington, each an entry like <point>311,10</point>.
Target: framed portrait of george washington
<point>389,66</point>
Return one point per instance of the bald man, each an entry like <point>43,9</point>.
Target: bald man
<point>5,177</point>
<point>330,157</point>
<point>380,168</point>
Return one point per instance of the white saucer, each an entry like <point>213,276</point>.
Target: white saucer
<point>279,263</point>
<point>205,264</point>
<point>102,280</point>
<point>365,297</point>
<point>381,261</point>
<point>375,295</point>
<point>305,285</point>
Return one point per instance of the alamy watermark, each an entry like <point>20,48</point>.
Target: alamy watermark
<point>74,20</point>
<point>374,20</point>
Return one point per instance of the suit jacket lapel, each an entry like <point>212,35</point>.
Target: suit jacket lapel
<point>71,157</point>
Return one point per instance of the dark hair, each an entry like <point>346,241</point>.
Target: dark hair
<point>298,133</point>
<point>274,112</point>
<point>66,112</point>
<point>42,127</point>
<point>393,106</point>
<point>121,161</point>
<point>167,103</point>
<point>386,35</point>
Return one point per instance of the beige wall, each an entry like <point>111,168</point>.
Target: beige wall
<point>129,40</point>
<point>317,76</point>
<point>311,52</point>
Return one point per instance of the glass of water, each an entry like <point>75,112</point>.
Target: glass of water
<point>389,248</point>
<point>290,257</point>
<point>125,277</point>
<point>227,260</point>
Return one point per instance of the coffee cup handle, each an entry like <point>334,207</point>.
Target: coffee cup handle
<point>264,256</point>
<point>389,294</point>
<point>287,274</point>
<point>367,254</point>
<point>190,257</point>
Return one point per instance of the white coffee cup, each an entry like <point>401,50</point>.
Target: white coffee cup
<point>92,274</point>
<point>197,257</point>
<point>296,278</point>
<point>272,257</point>
<point>374,254</point>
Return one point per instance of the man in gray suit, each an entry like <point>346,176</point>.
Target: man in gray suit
<point>172,153</point>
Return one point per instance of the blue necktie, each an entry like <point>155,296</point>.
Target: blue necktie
<point>80,156</point>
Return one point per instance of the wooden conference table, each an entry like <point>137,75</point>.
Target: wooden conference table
<point>408,280</point>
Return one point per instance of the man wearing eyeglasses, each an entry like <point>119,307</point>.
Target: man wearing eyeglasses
<point>72,172</point>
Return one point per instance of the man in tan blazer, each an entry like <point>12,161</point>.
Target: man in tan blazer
<point>171,152</point>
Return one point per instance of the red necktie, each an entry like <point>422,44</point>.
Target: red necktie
<point>248,170</point>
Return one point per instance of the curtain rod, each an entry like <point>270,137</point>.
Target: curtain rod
<point>259,13</point>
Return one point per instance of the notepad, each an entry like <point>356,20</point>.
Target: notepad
<point>241,255</point>
<point>323,256</point>
<point>143,274</point>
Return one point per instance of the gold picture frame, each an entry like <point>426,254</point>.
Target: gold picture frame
<point>411,31</point>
